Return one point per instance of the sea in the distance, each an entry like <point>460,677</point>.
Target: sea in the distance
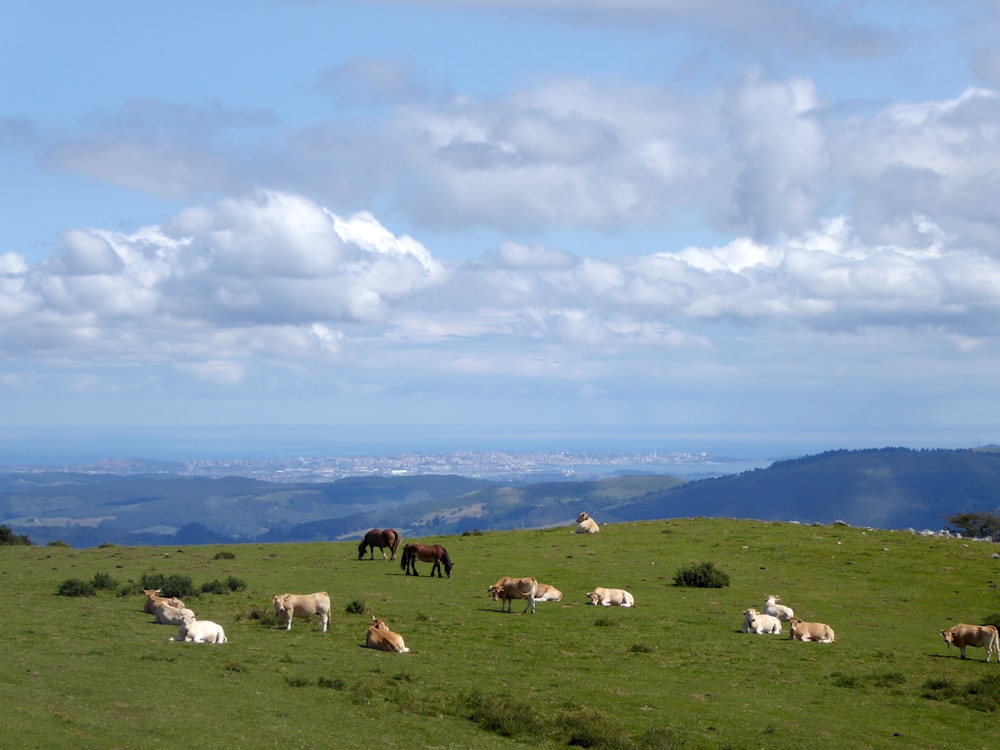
<point>62,446</point>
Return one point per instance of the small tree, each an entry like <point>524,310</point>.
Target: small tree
<point>7,536</point>
<point>978,523</point>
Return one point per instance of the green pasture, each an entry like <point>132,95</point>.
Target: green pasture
<point>95,672</point>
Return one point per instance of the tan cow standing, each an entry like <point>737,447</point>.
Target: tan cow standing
<point>981,636</point>
<point>506,589</point>
<point>380,638</point>
<point>303,605</point>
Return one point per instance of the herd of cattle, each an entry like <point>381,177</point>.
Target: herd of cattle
<point>172,611</point>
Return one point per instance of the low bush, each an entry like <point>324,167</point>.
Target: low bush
<point>702,576</point>
<point>173,585</point>
<point>76,587</point>
<point>224,555</point>
<point>103,582</point>
<point>355,607</point>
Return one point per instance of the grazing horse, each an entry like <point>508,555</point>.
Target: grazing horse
<point>433,553</point>
<point>380,538</point>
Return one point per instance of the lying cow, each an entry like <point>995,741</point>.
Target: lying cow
<point>981,636</point>
<point>199,631</point>
<point>167,615</point>
<point>756,622</point>
<point>546,593</point>
<point>154,600</point>
<point>303,605</point>
<point>611,597</point>
<point>810,631</point>
<point>380,638</point>
<point>586,525</point>
<point>506,589</point>
<point>771,607</point>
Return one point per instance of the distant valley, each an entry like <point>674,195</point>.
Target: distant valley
<point>883,488</point>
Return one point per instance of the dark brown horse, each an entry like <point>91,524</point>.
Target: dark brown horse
<point>380,538</point>
<point>433,553</point>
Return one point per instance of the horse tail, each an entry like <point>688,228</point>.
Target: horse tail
<point>396,539</point>
<point>405,557</point>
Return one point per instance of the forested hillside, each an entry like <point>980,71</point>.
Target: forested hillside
<point>883,488</point>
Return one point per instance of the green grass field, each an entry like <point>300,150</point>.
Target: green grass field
<point>95,672</point>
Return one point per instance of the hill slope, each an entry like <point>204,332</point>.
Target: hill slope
<point>882,488</point>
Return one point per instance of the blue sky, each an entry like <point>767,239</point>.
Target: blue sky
<point>734,216</point>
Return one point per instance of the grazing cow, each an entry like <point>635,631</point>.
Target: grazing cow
<point>507,589</point>
<point>167,615</point>
<point>199,631</point>
<point>771,607</point>
<point>154,600</point>
<point>303,605</point>
<point>611,597</point>
<point>546,593</point>
<point>981,636</point>
<point>380,638</point>
<point>810,631</point>
<point>586,525</point>
<point>755,622</point>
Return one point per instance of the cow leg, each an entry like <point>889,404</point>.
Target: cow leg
<point>531,603</point>
<point>325,619</point>
<point>963,650</point>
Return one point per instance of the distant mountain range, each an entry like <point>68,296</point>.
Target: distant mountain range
<point>883,488</point>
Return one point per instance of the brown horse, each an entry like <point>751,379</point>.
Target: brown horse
<point>433,553</point>
<point>380,538</point>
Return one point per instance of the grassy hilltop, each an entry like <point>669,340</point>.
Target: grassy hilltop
<point>673,672</point>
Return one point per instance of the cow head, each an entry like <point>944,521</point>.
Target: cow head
<point>948,635</point>
<point>279,603</point>
<point>378,624</point>
<point>595,598</point>
<point>494,592</point>
<point>582,517</point>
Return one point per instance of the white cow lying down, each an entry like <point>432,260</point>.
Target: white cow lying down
<point>608,597</point>
<point>199,631</point>
<point>755,622</point>
<point>168,615</point>
<point>771,607</point>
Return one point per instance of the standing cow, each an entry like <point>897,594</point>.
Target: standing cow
<point>303,605</point>
<point>982,636</point>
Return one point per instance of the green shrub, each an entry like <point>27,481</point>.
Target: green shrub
<point>7,536</point>
<point>214,587</point>
<point>593,729</point>
<point>103,582</point>
<point>58,543</point>
<point>355,607</point>
<point>992,619</point>
<point>701,576</point>
<point>173,585</point>
<point>224,555</point>
<point>76,587</point>
<point>236,584</point>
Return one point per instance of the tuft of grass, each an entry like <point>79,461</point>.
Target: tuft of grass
<point>502,715</point>
<point>355,607</point>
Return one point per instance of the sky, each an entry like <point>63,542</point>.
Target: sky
<point>742,216</point>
